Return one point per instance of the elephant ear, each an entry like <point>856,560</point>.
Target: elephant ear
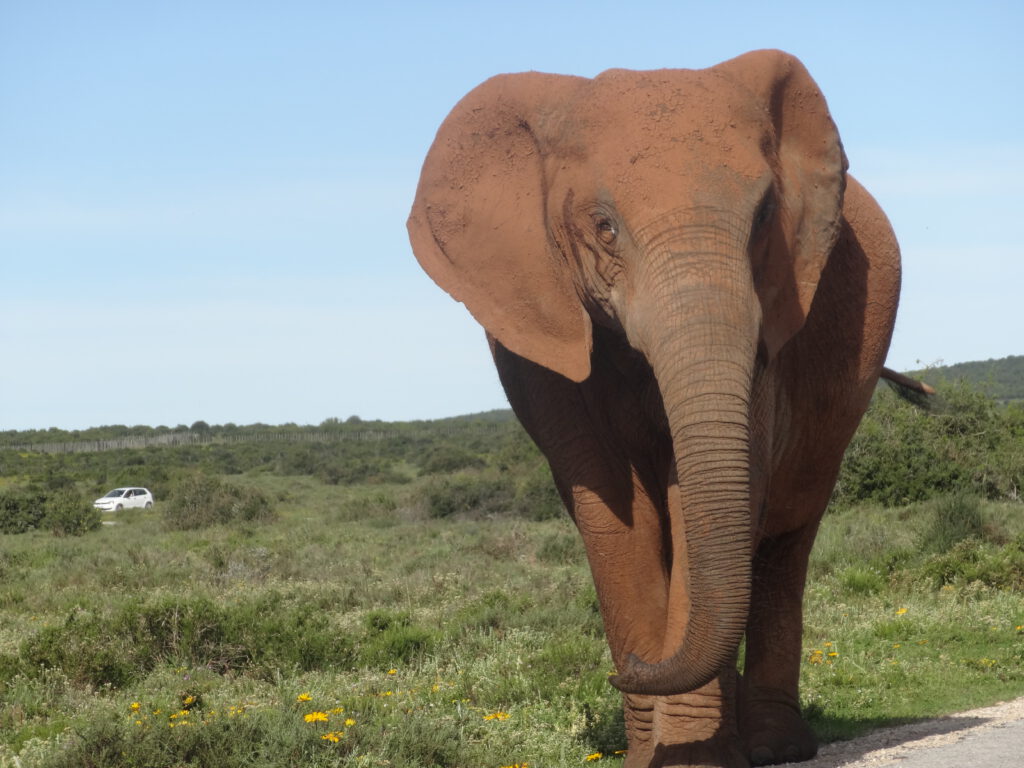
<point>478,223</point>
<point>807,156</point>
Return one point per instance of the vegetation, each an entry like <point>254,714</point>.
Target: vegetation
<point>324,597</point>
<point>1002,379</point>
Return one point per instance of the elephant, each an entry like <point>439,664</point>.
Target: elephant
<point>689,302</point>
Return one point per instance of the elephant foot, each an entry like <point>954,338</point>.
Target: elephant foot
<point>775,731</point>
<point>712,753</point>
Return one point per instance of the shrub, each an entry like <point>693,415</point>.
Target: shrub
<point>392,638</point>
<point>964,441</point>
<point>200,501</point>
<point>267,633</point>
<point>68,514</point>
<point>469,493</point>
<point>446,458</point>
<point>536,496</point>
<point>957,517</point>
<point>21,510</point>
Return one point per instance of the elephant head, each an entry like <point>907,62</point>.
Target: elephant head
<point>692,211</point>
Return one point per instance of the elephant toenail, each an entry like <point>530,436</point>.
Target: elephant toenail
<point>762,756</point>
<point>792,753</point>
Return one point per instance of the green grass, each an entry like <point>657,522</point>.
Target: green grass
<point>469,639</point>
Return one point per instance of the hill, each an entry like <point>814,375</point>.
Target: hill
<point>1002,379</point>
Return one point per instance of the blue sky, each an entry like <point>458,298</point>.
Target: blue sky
<point>202,204</point>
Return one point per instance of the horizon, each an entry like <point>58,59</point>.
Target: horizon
<point>203,206</point>
<point>355,419</point>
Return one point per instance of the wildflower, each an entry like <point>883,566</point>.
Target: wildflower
<point>816,657</point>
<point>392,671</point>
<point>828,645</point>
<point>188,700</point>
<point>336,710</point>
<point>135,706</point>
<point>595,756</point>
<point>316,717</point>
<point>304,697</point>
<point>497,716</point>
<point>897,645</point>
<point>349,722</point>
<point>332,736</point>
<point>901,611</point>
<point>833,654</point>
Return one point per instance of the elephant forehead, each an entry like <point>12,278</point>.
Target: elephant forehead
<point>672,121</point>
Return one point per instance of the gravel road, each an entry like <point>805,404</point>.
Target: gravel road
<point>992,737</point>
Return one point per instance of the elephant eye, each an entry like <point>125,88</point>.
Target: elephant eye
<point>605,228</point>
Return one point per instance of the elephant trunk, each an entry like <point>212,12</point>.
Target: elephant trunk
<point>702,355</point>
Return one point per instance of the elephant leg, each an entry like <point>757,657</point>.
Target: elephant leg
<point>692,729</point>
<point>774,730</point>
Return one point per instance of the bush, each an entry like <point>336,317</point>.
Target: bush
<point>963,442</point>
<point>392,638</point>
<point>267,633</point>
<point>470,493</point>
<point>68,514</point>
<point>200,501</point>
<point>446,458</point>
<point>536,496</point>
<point>21,510</point>
<point>957,517</point>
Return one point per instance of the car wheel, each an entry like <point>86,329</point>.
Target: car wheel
<point>149,504</point>
<point>118,508</point>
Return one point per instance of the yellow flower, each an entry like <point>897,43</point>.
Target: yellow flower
<point>304,697</point>
<point>828,645</point>
<point>497,716</point>
<point>336,710</point>
<point>188,700</point>
<point>896,645</point>
<point>349,722</point>
<point>332,737</point>
<point>392,671</point>
<point>901,611</point>
<point>595,756</point>
<point>833,654</point>
<point>816,657</point>
<point>135,706</point>
<point>316,717</point>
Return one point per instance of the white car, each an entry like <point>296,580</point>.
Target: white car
<point>125,498</point>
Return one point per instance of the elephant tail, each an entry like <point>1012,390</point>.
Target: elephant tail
<point>916,392</point>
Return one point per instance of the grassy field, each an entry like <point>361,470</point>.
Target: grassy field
<point>354,628</point>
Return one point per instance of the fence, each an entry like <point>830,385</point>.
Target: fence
<point>194,438</point>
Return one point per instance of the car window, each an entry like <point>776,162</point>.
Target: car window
<point>115,494</point>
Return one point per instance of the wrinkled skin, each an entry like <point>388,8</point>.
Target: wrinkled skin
<point>688,301</point>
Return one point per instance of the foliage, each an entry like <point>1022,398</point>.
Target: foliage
<point>965,442</point>
<point>1002,379</point>
<point>422,581</point>
<point>68,514</point>
<point>21,509</point>
<point>202,500</point>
